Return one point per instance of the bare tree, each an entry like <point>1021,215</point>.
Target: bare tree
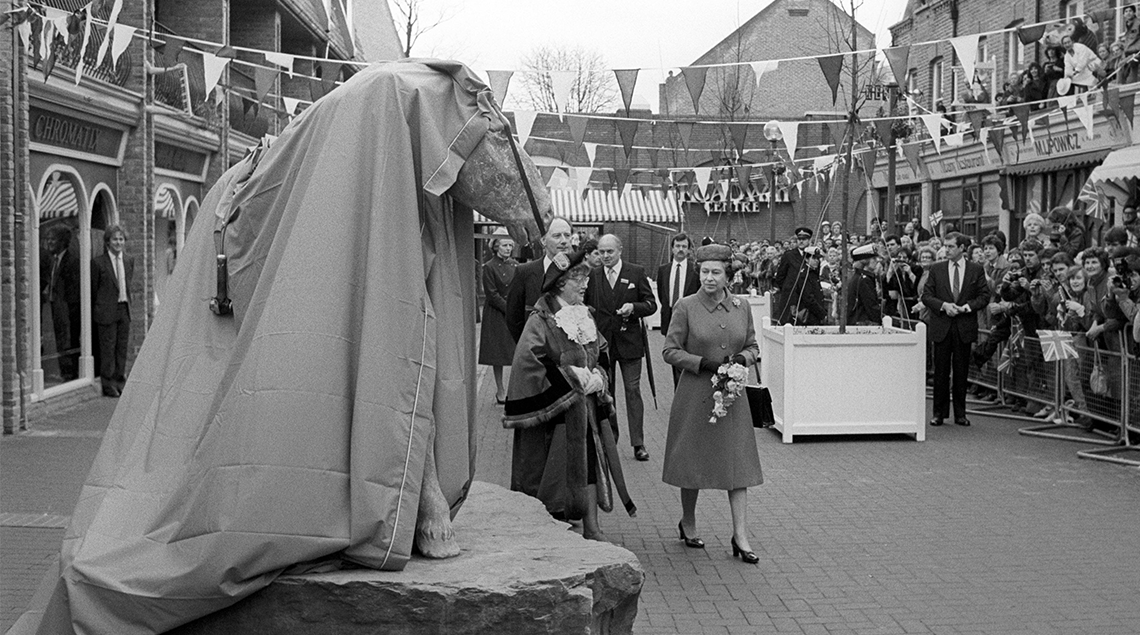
<point>413,20</point>
<point>594,88</point>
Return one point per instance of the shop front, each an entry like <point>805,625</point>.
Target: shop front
<point>179,177</point>
<point>74,163</point>
<point>1048,168</point>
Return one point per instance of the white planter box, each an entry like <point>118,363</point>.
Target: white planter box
<point>761,306</point>
<point>868,381</point>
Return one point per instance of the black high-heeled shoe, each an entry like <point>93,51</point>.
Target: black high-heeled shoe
<point>695,543</point>
<point>747,556</point>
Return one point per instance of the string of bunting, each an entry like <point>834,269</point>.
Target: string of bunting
<point>38,31</point>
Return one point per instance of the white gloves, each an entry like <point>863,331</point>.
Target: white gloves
<point>591,381</point>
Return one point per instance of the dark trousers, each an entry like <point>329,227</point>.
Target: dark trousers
<point>951,356</point>
<point>634,407</point>
<point>113,339</point>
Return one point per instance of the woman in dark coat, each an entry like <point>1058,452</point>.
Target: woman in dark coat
<point>708,328</point>
<point>496,346</point>
<point>564,450</point>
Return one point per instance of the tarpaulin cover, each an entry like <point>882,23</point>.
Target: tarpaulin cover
<point>297,428</point>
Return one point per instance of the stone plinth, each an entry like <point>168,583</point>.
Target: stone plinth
<point>519,572</point>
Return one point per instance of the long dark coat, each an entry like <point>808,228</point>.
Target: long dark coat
<point>496,345</point>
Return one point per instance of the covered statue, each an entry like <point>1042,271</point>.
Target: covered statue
<point>336,405</point>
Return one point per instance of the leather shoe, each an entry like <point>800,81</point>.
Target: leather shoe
<point>640,453</point>
<point>111,391</point>
<point>962,421</point>
<point>937,421</point>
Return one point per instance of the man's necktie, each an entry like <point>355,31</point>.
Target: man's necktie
<point>954,284</point>
<point>676,284</point>
<point>120,277</point>
<point>611,275</point>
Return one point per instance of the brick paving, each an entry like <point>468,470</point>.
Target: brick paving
<point>977,530</point>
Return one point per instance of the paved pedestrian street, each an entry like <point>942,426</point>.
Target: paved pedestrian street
<point>975,530</point>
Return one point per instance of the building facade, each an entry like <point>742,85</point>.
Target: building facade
<point>993,180</point>
<point>137,142</point>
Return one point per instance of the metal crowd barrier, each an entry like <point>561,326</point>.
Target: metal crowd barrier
<point>1031,378</point>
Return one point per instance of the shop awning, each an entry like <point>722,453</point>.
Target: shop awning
<point>1118,167</point>
<point>597,206</point>
<point>164,204</point>
<point>1059,163</point>
<point>58,199</point>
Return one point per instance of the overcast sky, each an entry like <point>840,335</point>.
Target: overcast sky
<point>647,34</point>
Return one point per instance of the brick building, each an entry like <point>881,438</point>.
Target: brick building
<point>136,143</point>
<point>978,186</point>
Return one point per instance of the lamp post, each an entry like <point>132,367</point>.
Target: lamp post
<point>773,134</point>
<point>892,225</point>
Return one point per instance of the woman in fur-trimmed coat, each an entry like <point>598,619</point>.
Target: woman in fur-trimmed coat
<point>564,450</point>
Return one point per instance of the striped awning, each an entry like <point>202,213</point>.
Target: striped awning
<point>58,199</point>
<point>597,206</point>
<point>1118,167</point>
<point>164,204</point>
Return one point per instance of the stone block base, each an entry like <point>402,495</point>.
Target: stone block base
<point>519,572</point>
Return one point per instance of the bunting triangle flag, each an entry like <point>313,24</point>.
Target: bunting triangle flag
<point>290,104</point>
<point>500,81</point>
<point>744,177</point>
<point>560,84</point>
<point>883,129</point>
<point>263,80</point>
<point>524,121</point>
<point>1030,34</point>
<point>546,172</point>
<point>977,119</point>
<point>739,132</point>
<point>591,151</point>
<point>821,163</point>
<point>1112,100</point>
<point>213,67</point>
<point>626,80</point>
<point>899,59</point>
<point>582,177</point>
<point>933,123</point>
<point>759,68</point>
<point>695,80</point>
<point>621,175</point>
<point>997,138</point>
<point>868,157</point>
<point>284,60</point>
<point>316,89</point>
<point>1085,115</point>
<point>955,140</point>
<point>791,133</point>
<point>121,41</point>
<point>24,29</point>
<point>1067,102</point>
<point>832,67</point>
<point>703,175</point>
<point>83,47</point>
<point>1128,106</point>
<point>653,156</point>
<point>685,130</point>
<point>966,46</point>
<point>577,127</point>
<point>627,130</point>
<point>1021,111</point>
<point>913,156</point>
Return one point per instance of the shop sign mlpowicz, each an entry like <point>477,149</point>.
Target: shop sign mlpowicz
<point>62,134</point>
<point>1065,141</point>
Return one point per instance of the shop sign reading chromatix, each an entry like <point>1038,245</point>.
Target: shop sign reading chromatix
<point>58,133</point>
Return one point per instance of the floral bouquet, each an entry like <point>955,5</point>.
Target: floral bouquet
<point>728,384</point>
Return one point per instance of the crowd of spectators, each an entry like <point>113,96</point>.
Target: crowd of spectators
<point>1057,278</point>
<point>1079,62</point>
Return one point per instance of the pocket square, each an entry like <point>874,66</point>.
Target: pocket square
<point>631,286</point>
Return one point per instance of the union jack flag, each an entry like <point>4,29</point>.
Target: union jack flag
<point>1013,349</point>
<point>1057,345</point>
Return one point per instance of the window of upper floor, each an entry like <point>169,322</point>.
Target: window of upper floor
<point>1072,8</point>
<point>1014,49</point>
<point>936,83</point>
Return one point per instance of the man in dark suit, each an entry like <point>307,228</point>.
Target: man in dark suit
<point>111,276</point>
<point>791,275</point>
<point>526,286</point>
<point>61,290</point>
<point>620,295</point>
<point>955,291</point>
<point>675,280</point>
